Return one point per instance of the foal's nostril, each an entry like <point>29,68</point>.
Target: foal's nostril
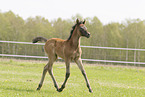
<point>88,35</point>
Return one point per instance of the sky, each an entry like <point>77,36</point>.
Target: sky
<point>106,10</point>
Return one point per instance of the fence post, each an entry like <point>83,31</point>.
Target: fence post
<point>134,57</point>
<point>126,56</point>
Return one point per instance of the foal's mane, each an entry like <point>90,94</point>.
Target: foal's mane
<point>73,27</point>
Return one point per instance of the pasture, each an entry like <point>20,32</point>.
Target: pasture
<point>20,78</point>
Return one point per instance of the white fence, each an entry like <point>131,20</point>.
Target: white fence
<point>93,47</point>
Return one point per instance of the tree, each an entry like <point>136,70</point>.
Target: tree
<point>11,26</point>
<point>62,28</point>
<point>38,26</point>
<point>112,35</point>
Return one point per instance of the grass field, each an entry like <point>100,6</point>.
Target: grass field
<point>19,78</point>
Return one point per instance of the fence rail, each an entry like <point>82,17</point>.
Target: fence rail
<point>15,42</point>
<point>92,60</point>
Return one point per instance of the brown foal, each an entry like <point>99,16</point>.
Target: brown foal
<point>68,50</point>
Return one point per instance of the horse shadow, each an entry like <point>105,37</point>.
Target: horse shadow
<point>24,90</point>
<point>17,89</point>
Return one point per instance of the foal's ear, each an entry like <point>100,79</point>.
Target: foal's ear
<point>84,22</point>
<point>77,21</point>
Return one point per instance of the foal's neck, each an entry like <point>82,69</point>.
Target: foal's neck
<point>75,40</point>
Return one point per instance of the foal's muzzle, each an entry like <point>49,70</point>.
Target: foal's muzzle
<point>84,32</point>
<point>88,35</point>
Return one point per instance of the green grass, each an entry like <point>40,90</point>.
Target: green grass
<point>20,79</point>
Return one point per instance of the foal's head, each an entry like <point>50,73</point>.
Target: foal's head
<point>81,28</point>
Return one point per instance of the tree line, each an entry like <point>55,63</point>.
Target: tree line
<point>128,34</point>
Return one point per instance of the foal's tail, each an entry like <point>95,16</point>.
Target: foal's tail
<point>35,40</point>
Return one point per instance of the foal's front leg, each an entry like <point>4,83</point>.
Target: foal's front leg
<point>80,65</point>
<point>67,62</point>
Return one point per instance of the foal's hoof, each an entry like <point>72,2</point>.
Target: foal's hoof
<point>90,90</point>
<point>38,89</point>
<point>59,90</point>
<point>39,86</point>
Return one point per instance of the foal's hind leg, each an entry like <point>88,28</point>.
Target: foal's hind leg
<point>51,74</point>
<point>67,62</point>
<point>48,68</point>
<point>43,76</point>
<point>80,65</point>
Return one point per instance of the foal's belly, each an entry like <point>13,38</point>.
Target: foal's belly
<point>59,52</point>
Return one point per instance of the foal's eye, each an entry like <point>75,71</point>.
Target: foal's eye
<point>81,28</point>
<point>85,28</point>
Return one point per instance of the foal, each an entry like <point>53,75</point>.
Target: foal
<point>68,50</point>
